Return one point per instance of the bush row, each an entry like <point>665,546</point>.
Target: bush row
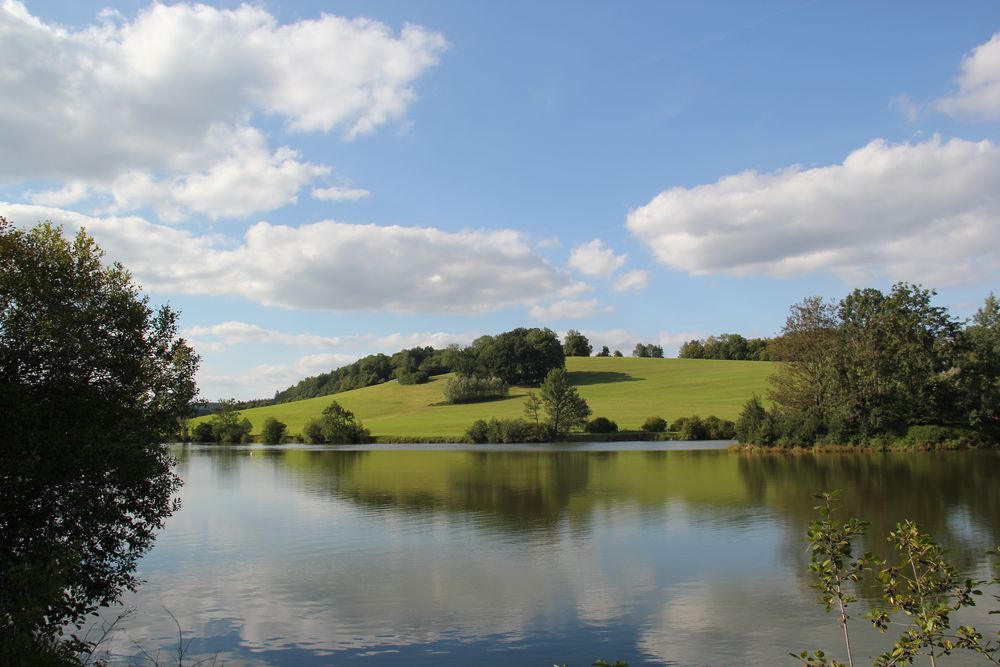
<point>505,431</point>
<point>469,389</point>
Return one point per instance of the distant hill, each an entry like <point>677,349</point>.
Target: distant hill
<point>626,390</point>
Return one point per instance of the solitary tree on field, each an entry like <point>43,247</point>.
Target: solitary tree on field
<point>564,407</point>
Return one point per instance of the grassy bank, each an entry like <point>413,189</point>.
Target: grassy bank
<point>624,390</point>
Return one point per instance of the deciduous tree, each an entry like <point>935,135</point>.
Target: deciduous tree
<point>564,406</point>
<point>92,380</point>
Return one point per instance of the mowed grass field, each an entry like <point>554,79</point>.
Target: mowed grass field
<point>625,390</point>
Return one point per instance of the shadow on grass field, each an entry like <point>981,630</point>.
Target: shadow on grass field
<point>584,378</point>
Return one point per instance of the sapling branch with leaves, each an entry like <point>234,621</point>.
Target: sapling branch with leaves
<point>919,593</point>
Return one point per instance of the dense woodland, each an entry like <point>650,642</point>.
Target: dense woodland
<point>876,368</point>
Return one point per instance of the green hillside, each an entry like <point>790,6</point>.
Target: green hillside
<point>625,390</point>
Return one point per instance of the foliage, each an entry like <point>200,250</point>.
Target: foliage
<point>647,350</point>
<point>978,369</point>
<point>575,344</point>
<point>563,405</point>
<point>228,424</point>
<point>273,431</point>
<point>719,429</point>
<point>654,425</point>
<point>469,389</point>
<point>668,387</point>
<point>339,426</point>
<point>202,432</point>
<point>312,432</point>
<point>874,365</point>
<point>504,431</point>
<point>413,377</point>
<point>832,561</point>
<point>533,409</point>
<point>709,428</point>
<point>600,425</point>
<point>409,366</point>
<point>521,356</point>
<point>605,352</point>
<point>727,346</point>
<point>618,353</point>
<point>754,425</point>
<point>690,428</point>
<point>91,382</point>
<point>922,588</point>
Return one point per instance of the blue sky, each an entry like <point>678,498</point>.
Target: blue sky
<point>309,182</point>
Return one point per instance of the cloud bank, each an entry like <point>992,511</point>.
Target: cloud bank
<point>325,265</point>
<point>161,110</point>
<point>978,93</point>
<point>595,259</point>
<point>926,212</point>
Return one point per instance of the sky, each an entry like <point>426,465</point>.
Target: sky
<point>311,182</point>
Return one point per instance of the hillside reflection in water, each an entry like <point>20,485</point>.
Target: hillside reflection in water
<point>310,556</point>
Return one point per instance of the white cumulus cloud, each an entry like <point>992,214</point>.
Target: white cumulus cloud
<point>171,95</point>
<point>564,309</point>
<point>632,281</point>
<point>927,212</point>
<point>438,340</point>
<point>340,193</point>
<point>324,265</point>
<point>978,92</point>
<point>226,334</point>
<point>595,259</point>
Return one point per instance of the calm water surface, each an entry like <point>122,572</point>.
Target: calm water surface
<point>403,556</point>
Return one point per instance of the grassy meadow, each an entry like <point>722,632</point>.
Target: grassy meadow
<point>625,390</point>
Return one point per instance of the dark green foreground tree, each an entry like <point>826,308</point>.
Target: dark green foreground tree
<point>92,381</point>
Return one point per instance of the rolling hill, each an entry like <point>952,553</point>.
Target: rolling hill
<point>626,390</point>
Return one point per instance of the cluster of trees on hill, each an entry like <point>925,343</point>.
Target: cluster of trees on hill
<point>521,356</point>
<point>647,350</point>
<point>557,409</point>
<point>882,366</point>
<point>485,369</point>
<point>729,346</point>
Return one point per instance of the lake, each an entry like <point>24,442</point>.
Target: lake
<point>496,555</point>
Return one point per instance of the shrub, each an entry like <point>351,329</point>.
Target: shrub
<point>755,425</point>
<point>654,425</point>
<point>312,432</point>
<point>600,425</point>
<point>942,437</point>
<point>478,432</point>
<point>503,431</point>
<point>719,429</point>
<point>339,426</point>
<point>202,432</point>
<point>272,431</point>
<point>413,377</point>
<point>469,389</point>
<point>690,428</point>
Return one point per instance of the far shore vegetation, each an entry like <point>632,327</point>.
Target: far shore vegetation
<point>873,370</point>
<point>883,371</point>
